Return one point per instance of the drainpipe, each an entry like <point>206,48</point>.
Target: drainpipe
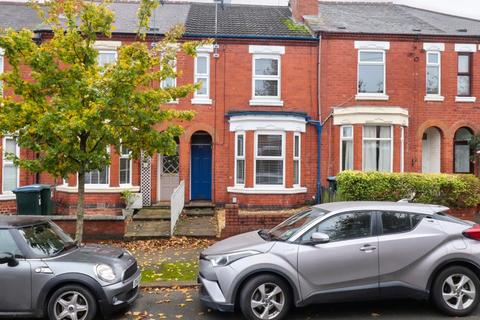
<point>319,126</point>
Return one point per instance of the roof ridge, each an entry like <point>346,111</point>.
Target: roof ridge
<point>438,12</point>
<point>236,5</point>
<point>358,2</point>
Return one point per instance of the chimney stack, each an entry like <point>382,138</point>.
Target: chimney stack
<point>302,8</point>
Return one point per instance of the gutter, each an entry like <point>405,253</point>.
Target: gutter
<point>259,37</point>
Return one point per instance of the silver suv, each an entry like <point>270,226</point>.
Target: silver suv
<point>43,273</point>
<point>346,251</point>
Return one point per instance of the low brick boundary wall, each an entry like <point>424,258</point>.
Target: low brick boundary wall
<point>94,228</point>
<point>465,213</point>
<point>236,223</point>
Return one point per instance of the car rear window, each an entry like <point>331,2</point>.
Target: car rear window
<point>398,222</point>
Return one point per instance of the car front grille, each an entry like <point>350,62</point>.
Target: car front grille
<point>130,271</point>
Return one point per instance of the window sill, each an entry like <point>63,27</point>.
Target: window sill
<point>173,102</point>
<point>434,97</point>
<point>201,101</point>
<point>465,99</point>
<point>7,196</point>
<point>99,189</point>
<point>372,96</point>
<point>267,103</point>
<point>261,190</point>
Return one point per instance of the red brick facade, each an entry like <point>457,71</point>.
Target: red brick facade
<point>406,88</point>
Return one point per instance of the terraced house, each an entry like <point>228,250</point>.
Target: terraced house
<point>387,87</point>
<point>400,85</point>
<point>250,141</point>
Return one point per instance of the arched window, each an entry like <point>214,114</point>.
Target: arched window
<point>463,151</point>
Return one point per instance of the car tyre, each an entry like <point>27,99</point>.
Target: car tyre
<point>456,291</point>
<point>265,293</point>
<point>72,299</point>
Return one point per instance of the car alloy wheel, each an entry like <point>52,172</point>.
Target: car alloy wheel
<point>458,291</point>
<point>267,301</point>
<point>71,305</point>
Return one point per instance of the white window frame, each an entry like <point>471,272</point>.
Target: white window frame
<point>9,162</point>
<point>2,68</point>
<point>202,98</point>
<point>238,157</point>
<point>431,64</point>
<point>297,158</point>
<point>129,157</point>
<point>343,138</point>
<point>402,149</point>
<point>372,95</point>
<point>105,51</point>
<point>391,139</point>
<point>99,185</point>
<point>267,100</point>
<point>257,157</point>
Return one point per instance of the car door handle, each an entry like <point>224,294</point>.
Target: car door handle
<point>368,248</point>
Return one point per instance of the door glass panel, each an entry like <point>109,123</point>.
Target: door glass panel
<point>7,244</point>
<point>396,222</point>
<point>344,226</point>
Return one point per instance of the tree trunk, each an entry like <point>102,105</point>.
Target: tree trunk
<point>80,206</point>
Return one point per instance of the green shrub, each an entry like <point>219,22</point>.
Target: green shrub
<point>454,191</point>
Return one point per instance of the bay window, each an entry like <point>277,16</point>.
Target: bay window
<point>433,73</point>
<point>377,148</point>
<point>371,72</point>
<point>125,166</point>
<point>269,159</point>
<point>240,158</point>
<point>97,176</point>
<point>10,171</point>
<point>346,148</point>
<point>296,159</point>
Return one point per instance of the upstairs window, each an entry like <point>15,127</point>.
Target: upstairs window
<point>266,77</point>
<point>106,57</point>
<point>433,73</point>
<point>371,72</point>
<point>10,171</point>
<point>1,70</point>
<point>202,75</point>
<point>464,76</point>
<point>170,82</point>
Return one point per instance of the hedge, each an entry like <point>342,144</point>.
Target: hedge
<point>454,191</point>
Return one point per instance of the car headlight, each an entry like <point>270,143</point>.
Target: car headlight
<point>226,259</point>
<point>105,272</point>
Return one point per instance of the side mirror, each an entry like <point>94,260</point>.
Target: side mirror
<point>319,238</point>
<point>8,258</point>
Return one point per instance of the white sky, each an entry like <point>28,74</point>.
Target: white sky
<point>467,8</point>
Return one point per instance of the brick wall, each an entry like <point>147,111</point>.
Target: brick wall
<point>236,223</point>
<point>405,86</point>
<point>96,229</point>
<point>8,206</point>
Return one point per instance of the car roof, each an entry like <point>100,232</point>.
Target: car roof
<point>382,205</point>
<point>12,222</point>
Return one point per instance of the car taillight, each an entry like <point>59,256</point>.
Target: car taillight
<point>473,232</point>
